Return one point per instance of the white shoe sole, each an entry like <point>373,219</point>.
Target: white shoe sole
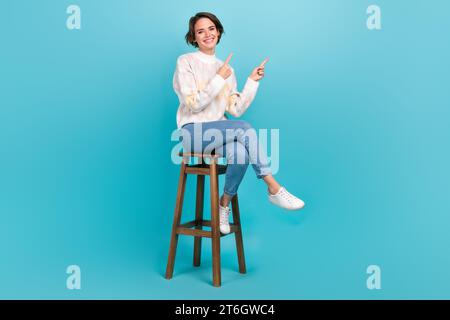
<point>287,208</point>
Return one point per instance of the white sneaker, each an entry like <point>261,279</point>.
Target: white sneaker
<point>286,200</point>
<point>224,215</point>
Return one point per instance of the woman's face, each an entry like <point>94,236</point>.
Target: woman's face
<point>206,34</point>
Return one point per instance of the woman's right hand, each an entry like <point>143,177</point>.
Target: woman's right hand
<point>225,70</point>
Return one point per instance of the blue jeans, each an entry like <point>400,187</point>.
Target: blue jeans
<point>238,138</point>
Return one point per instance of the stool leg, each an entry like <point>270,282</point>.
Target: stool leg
<point>215,230</point>
<point>176,221</point>
<point>198,218</point>
<point>238,234</point>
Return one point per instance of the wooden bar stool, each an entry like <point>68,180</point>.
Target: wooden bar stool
<point>195,227</point>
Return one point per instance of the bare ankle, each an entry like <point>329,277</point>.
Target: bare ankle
<point>274,189</point>
<point>224,201</point>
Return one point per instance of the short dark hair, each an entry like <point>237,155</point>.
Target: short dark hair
<point>190,35</point>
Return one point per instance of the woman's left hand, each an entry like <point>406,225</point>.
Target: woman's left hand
<point>258,73</point>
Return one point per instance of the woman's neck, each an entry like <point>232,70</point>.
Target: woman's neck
<point>210,52</point>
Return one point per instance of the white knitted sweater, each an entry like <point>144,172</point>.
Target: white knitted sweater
<point>203,94</point>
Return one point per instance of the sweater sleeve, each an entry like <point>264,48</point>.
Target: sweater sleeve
<point>238,102</point>
<point>185,86</point>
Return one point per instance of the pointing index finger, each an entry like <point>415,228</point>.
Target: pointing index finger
<point>229,58</point>
<point>264,62</point>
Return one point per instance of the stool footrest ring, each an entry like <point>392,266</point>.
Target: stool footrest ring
<point>186,228</point>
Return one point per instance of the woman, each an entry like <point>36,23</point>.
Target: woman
<point>206,88</point>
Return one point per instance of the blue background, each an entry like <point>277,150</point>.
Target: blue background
<point>86,176</point>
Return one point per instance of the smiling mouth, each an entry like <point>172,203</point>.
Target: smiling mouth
<point>208,40</point>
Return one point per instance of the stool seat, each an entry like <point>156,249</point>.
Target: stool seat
<point>199,155</point>
<point>195,227</point>
<point>204,169</point>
